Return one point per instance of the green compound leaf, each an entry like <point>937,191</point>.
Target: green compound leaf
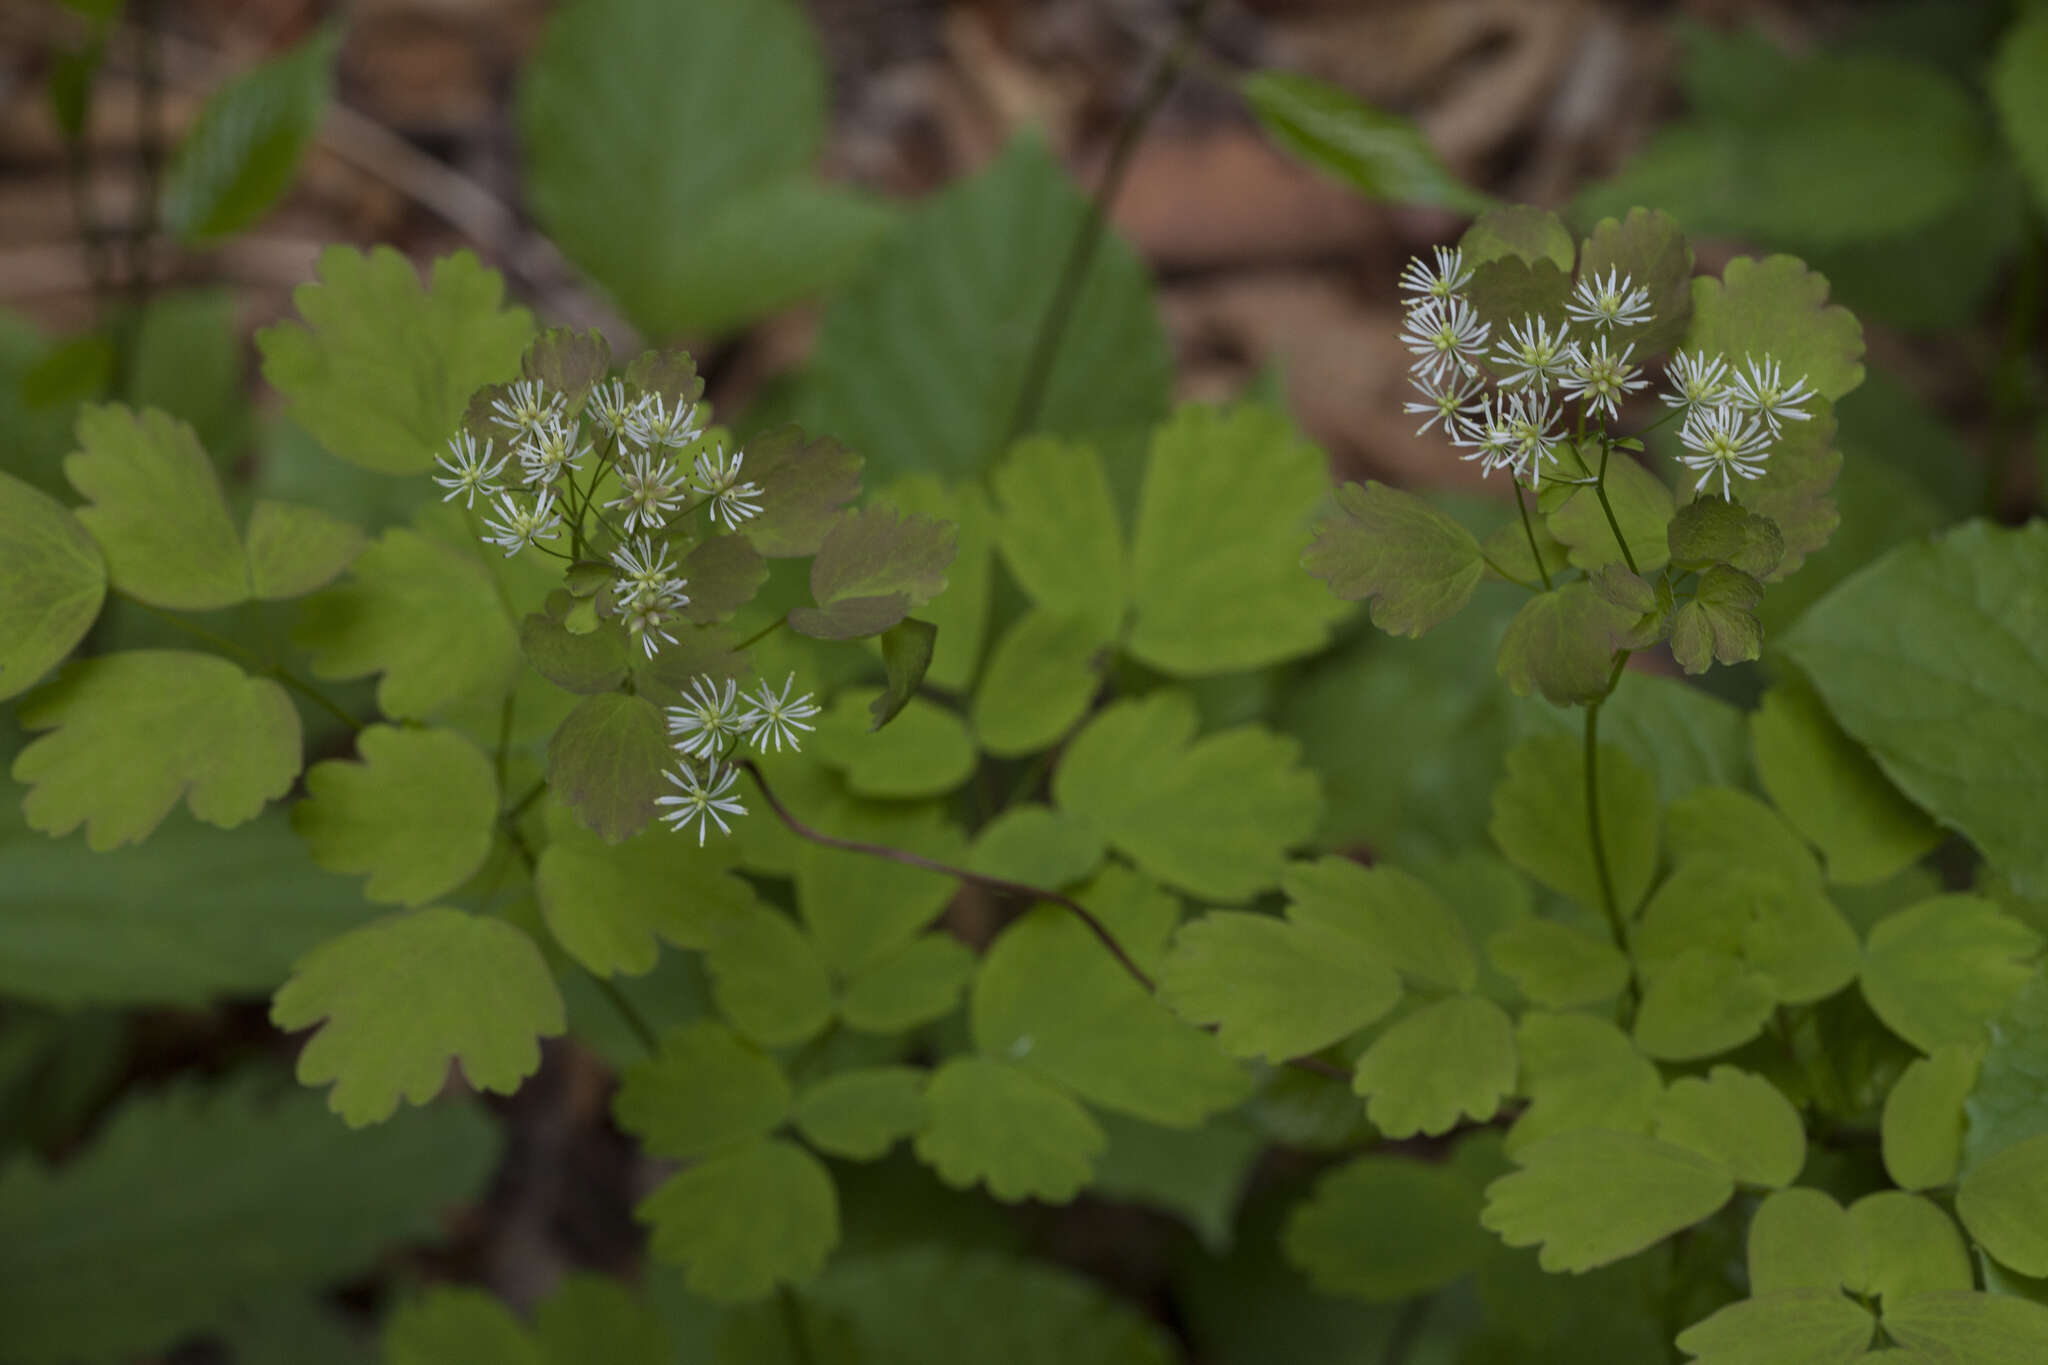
<point>132,733</point>
<point>52,582</point>
<point>1832,792</point>
<point>1642,504</point>
<point>293,550</point>
<point>703,1090</point>
<point>1213,816</point>
<point>745,1221</point>
<point>724,572</point>
<point>875,566</point>
<point>906,658</point>
<point>1994,1329</point>
<point>1790,1327</point>
<point>1214,587</point>
<point>919,983</point>
<point>1708,531</point>
<point>606,763</point>
<point>1935,659</point>
<point>1649,248</point>
<point>2003,1201</point>
<point>1404,922</point>
<point>2010,1101</point>
<point>1272,988</point>
<point>1719,625</point>
<point>1923,1117</point>
<point>1556,966</point>
<point>926,752</point>
<point>427,617</point>
<point>404,996</point>
<point>156,508</point>
<point>1416,565</point>
<point>1038,846</point>
<point>990,1122</point>
<point>1521,231</point>
<point>97,1262</point>
<point>2022,105</point>
<point>861,1114</point>
<point>569,362</point>
<point>1048,997</point>
<point>1041,677</point>
<point>1057,528</point>
<point>1383,156</point>
<point>767,978</point>
<point>960,614</point>
<point>458,1326</point>
<point>1937,972</point>
<point>243,151</point>
<point>610,906</point>
<point>1738,1119</point>
<point>1581,1072</point>
<point>1338,1237</point>
<point>380,371</point>
<point>597,661</point>
<point>1446,1062</point>
<point>1507,291</point>
<point>1539,820</point>
<point>1702,1002</point>
<point>1778,307</point>
<point>1908,1246</point>
<point>417,814</point>
<point>1592,1197</point>
<point>1562,644</point>
<point>1800,1238</point>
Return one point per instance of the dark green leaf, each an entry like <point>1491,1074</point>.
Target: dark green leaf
<point>243,151</point>
<point>804,483</point>
<point>875,566</point>
<point>1521,231</point>
<point>1650,249</point>
<point>1340,1236</point>
<point>2022,103</point>
<point>606,763</point>
<point>1719,625</point>
<point>1708,531</point>
<point>1508,291</point>
<point>723,573</point>
<point>1381,155</point>
<point>906,655</point>
<point>570,363</point>
<point>1642,505</point>
<point>1562,643</point>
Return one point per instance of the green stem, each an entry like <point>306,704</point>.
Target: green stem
<point>763,633</point>
<point>1595,834</point>
<point>1407,1330</point>
<point>793,1320</point>
<point>1512,578</point>
<point>635,1020</point>
<point>518,808</point>
<point>1600,490</point>
<point>314,695</point>
<point>252,662</point>
<point>1529,530</point>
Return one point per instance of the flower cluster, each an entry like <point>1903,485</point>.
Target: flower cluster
<point>708,729</point>
<point>1506,406</point>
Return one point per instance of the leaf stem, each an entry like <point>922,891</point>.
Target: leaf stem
<point>1512,578</point>
<point>531,795</point>
<point>314,695</point>
<point>793,1319</point>
<point>763,633</point>
<point>1600,490</point>
<point>1407,1330</point>
<point>1596,836</point>
<point>1529,530</point>
<point>250,660</point>
<point>635,1020</point>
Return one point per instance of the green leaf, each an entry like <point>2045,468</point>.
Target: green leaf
<point>859,910</point>
<point>724,572</point>
<point>1581,1072</point>
<point>584,664</point>
<point>1272,988</point>
<point>1832,792</point>
<point>1340,1236</point>
<point>294,550</point>
<point>804,484</point>
<point>1738,1119</point>
<point>922,362</point>
<point>990,1122</point>
<point>52,582</point>
<point>132,733</point>
<point>1923,1117</point>
<point>380,371</point>
<point>960,614</point>
<point>703,1090</point>
<point>1994,1329</point>
<point>745,1221</point>
<point>1038,846</point>
<point>595,1317</point>
<point>1800,1238</point>
<point>1381,155</point>
<point>1059,535</point>
<point>917,984</point>
<point>1909,1246</point>
<point>1794,491</point>
<point>1791,1327</point>
<point>1416,565</point>
<point>906,658</point>
<point>427,617</point>
<point>927,752</point>
<point>2017,95</point>
<point>1934,659</point>
<point>1777,307</point>
<point>1213,816</point>
<point>1556,966</point>
<point>1937,972</point>
<point>1196,1174</point>
<point>608,904</point>
<point>404,996</point>
<point>1562,643</point>
<point>188,359</point>
<point>1719,625</point>
<point>875,563</point>
<point>1521,231</point>
<point>569,362</point>
<point>1708,531</point>
<point>1041,677</point>
<point>417,814</point>
<point>1214,587</point>
<point>1400,918</point>
<point>98,1259</point>
<point>1700,1003</point>
<point>458,1326</point>
<point>1508,291</point>
<point>767,977</point>
<point>1540,823</point>
<point>1687,737</point>
<point>1049,997</point>
<point>1592,1197</point>
<point>2003,1201</point>
<point>1446,1062</point>
<point>861,1114</point>
<point>1650,249</point>
<point>2010,1101</point>
<point>243,151</point>
<point>156,508</point>
<point>606,763</point>
<point>1642,504</point>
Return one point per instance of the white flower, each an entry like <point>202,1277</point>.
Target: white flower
<point>1601,379</point>
<point>518,527</point>
<point>1530,415</point>
<point>1613,302</point>
<point>1534,354</point>
<point>649,591</point>
<point>610,407</point>
<point>771,719</point>
<point>526,407</point>
<point>1444,335</point>
<point>1487,435</point>
<point>549,449</point>
<point>702,800</point>
<point>1422,284</point>
<point>1724,441</point>
<point>717,476</point>
<point>1444,402</point>
<point>653,424</point>
<point>707,718</point>
<point>649,490</point>
<point>1696,381</point>
<point>647,618</point>
<point>470,471</point>
<point>1764,392</point>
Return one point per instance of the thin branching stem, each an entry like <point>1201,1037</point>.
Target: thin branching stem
<point>1600,490</point>
<point>1529,530</point>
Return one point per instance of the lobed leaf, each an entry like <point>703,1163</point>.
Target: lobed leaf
<point>417,814</point>
<point>1938,971</point>
<point>702,1091</point>
<point>1339,1237</point>
<point>1778,307</point>
<point>805,485</point>
<point>1041,677</point>
<point>1649,248</point>
<point>1272,988</point>
<point>917,984</point>
<point>1416,566</point>
<point>1592,1197</point>
<point>52,582</point>
<point>1738,1119</point>
<point>1058,531</point>
<point>992,1123</point>
<point>862,1113</point>
<point>744,1221</point>
<point>1540,822</point>
<point>767,978</point>
<point>155,506</point>
<point>1446,1062</point>
<point>1923,1117</point>
<point>606,763</point>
